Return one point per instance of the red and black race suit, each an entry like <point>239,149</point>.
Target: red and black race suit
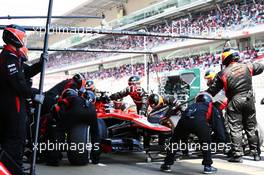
<point>52,95</point>
<point>236,80</point>
<point>138,95</point>
<point>69,112</point>
<point>13,91</point>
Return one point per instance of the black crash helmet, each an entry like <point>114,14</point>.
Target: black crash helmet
<point>203,97</point>
<point>134,80</point>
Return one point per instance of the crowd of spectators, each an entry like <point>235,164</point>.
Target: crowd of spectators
<point>227,16</point>
<point>204,61</point>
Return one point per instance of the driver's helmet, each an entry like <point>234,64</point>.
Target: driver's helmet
<point>118,103</point>
<point>155,100</point>
<point>203,97</point>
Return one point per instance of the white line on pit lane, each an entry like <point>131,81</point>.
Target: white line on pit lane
<point>101,164</point>
<point>247,160</point>
<point>250,162</point>
<point>146,163</point>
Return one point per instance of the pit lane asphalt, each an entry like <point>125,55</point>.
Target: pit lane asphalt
<point>135,164</point>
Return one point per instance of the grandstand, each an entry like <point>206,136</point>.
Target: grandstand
<point>241,21</point>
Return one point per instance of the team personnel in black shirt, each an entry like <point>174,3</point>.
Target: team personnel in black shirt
<point>14,90</point>
<point>236,80</point>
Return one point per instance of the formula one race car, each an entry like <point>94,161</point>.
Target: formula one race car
<point>125,130</point>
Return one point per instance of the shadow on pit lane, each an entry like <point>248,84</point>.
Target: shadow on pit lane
<point>125,157</point>
<point>134,157</point>
<point>134,163</point>
<point>187,168</point>
<point>247,157</point>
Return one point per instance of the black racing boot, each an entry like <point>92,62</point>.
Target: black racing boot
<point>165,168</point>
<point>95,157</point>
<point>256,153</point>
<point>229,153</point>
<point>236,159</point>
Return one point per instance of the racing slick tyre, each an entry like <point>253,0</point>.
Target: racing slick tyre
<point>102,129</point>
<point>79,135</point>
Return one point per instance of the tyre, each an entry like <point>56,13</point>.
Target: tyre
<point>79,135</point>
